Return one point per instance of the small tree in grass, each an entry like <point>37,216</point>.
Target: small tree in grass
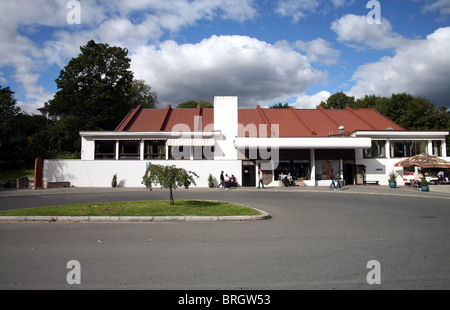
<point>169,177</point>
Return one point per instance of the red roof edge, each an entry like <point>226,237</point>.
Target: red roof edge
<point>266,121</point>
<point>291,108</point>
<point>324,112</point>
<point>126,121</point>
<point>166,118</point>
<point>356,114</point>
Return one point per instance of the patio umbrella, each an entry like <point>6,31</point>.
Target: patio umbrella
<point>424,161</point>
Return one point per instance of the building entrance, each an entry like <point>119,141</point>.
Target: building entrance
<point>248,173</point>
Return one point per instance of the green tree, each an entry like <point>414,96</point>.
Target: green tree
<point>10,140</point>
<point>169,177</point>
<point>19,132</point>
<point>95,92</point>
<point>194,104</point>
<point>412,113</point>
<point>142,94</point>
<point>338,101</point>
<point>280,106</point>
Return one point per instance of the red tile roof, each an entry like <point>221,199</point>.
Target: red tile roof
<point>289,122</point>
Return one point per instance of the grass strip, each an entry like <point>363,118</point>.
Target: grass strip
<point>138,208</point>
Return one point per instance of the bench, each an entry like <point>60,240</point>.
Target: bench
<point>371,182</point>
<point>58,184</point>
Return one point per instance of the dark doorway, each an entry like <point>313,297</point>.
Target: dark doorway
<point>248,173</point>
<point>349,172</point>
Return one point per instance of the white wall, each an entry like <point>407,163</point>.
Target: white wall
<point>226,120</point>
<point>99,173</point>
<point>87,148</point>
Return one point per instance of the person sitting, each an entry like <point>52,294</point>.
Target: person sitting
<point>290,179</point>
<point>440,176</point>
<point>232,182</point>
<point>227,181</point>
<point>283,179</point>
<point>420,178</point>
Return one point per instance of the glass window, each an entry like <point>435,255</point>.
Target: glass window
<point>105,149</point>
<point>129,150</point>
<point>284,167</point>
<point>378,150</point>
<point>155,150</point>
<point>180,152</point>
<point>407,148</point>
<point>401,149</point>
<point>437,148</point>
<point>299,169</point>
<point>324,168</point>
<point>204,152</point>
<point>418,147</point>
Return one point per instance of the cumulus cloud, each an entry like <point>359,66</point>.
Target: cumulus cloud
<point>125,23</point>
<point>442,6</point>
<point>319,50</point>
<point>355,31</point>
<point>420,68</point>
<point>255,71</point>
<point>298,9</point>
<point>311,101</point>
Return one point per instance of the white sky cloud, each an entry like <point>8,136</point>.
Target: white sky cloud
<point>241,66</point>
<point>319,50</point>
<point>311,102</point>
<point>420,68</point>
<point>356,32</point>
<point>443,6</point>
<point>35,35</point>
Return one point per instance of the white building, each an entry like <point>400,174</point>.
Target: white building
<point>306,143</point>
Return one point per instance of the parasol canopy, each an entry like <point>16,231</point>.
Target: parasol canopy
<point>424,161</point>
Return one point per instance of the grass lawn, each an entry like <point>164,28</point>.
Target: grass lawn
<point>139,208</point>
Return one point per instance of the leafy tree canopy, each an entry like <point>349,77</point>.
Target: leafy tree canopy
<point>194,104</point>
<point>280,106</point>
<point>412,113</point>
<point>96,90</point>
<point>169,177</point>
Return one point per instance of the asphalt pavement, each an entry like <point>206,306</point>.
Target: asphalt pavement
<point>317,238</point>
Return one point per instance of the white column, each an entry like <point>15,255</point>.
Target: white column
<point>313,166</point>
<point>388,149</point>
<point>430,147</point>
<point>142,149</point>
<point>444,148</point>
<point>117,149</point>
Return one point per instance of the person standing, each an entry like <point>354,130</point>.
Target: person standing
<point>261,177</point>
<point>333,177</point>
<point>222,180</point>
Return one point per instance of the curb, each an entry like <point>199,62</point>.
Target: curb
<point>135,219</point>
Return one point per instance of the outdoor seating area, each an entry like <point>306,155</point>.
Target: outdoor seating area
<point>430,168</point>
<point>286,180</point>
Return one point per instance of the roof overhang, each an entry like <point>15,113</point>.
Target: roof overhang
<point>402,134</point>
<point>303,143</point>
<point>126,135</point>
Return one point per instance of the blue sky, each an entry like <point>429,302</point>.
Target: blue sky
<point>294,51</point>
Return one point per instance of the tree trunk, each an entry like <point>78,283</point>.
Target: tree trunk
<point>171,196</point>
